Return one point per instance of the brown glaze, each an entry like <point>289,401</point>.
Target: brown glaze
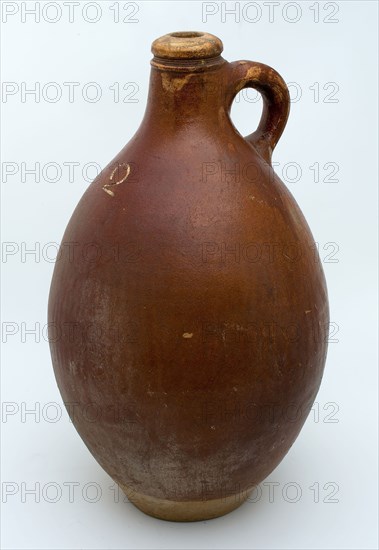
<point>188,308</point>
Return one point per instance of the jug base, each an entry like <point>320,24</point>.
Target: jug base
<point>171,510</point>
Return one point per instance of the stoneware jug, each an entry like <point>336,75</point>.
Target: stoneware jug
<point>188,308</point>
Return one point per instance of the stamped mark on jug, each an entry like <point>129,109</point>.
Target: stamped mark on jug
<point>107,186</point>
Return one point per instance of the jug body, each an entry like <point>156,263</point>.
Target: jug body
<point>189,296</point>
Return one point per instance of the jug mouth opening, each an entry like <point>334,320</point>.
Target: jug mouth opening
<point>186,34</point>
<point>187,45</point>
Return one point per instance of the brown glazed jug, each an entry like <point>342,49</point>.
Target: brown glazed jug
<point>188,309</point>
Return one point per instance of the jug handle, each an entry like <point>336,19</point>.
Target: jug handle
<point>276,102</point>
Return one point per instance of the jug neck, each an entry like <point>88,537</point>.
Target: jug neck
<point>186,82</point>
<point>180,97</point>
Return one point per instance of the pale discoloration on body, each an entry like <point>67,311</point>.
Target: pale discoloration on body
<point>174,84</point>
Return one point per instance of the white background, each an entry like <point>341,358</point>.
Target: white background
<point>336,450</point>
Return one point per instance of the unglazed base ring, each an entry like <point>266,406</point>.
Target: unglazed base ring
<point>192,510</point>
